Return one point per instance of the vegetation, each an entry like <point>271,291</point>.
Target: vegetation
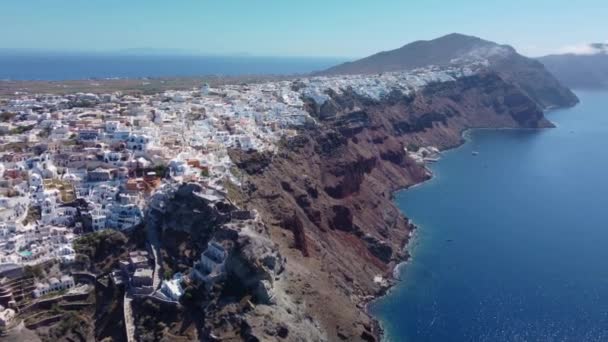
<point>7,116</point>
<point>35,271</point>
<point>154,322</point>
<point>45,133</point>
<point>72,327</point>
<point>99,246</point>
<point>22,129</point>
<point>33,214</point>
<point>193,296</point>
<point>411,147</point>
<point>82,262</point>
<point>161,170</point>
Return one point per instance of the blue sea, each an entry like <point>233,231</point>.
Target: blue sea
<point>513,242</point>
<point>55,67</point>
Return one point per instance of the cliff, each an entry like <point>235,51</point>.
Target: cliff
<point>326,195</point>
<point>247,303</point>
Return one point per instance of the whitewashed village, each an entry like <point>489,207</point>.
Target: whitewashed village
<point>81,163</point>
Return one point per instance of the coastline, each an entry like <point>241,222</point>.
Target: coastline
<point>395,278</point>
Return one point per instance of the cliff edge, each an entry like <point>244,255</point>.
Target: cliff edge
<point>325,235</point>
<point>327,194</point>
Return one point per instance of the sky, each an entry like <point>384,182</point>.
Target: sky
<point>324,28</point>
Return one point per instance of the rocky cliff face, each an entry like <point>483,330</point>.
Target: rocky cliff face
<point>249,303</point>
<point>326,195</point>
<point>326,235</point>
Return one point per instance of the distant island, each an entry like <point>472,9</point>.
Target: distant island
<point>585,69</point>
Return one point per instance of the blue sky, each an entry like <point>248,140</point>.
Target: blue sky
<point>337,28</point>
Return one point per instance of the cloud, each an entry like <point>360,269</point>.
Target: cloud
<point>584,49</point>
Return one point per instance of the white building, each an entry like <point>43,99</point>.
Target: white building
<point>173,288</point>
<point>205,89</point>
<point>112,126</point>
<point>124,216</point>
<point>53,285</point>
<point>211,266</point>
<point>138,142</point>
<point>98,221</point>
<point>35,180</point>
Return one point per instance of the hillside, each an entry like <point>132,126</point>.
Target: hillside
<point>454,49</point>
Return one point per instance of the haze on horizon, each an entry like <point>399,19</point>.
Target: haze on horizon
<point>338,28</point>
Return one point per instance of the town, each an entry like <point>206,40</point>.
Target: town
<point>80,163</point>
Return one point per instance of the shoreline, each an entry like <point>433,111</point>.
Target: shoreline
<point>395,279</point>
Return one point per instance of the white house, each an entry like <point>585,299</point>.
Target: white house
<point>112,126</point>
<point>99,222</point>
<point>173,288</point>
<point>138,142</point>
<point>205,89</point>
<point>178,167</point>
<point>35,180</point>
<point>124,216</point>
<point>53,284</point>
<point>211,266</point>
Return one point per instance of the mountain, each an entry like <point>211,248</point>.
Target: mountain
<point>587,68</point>
<point>456,49</point>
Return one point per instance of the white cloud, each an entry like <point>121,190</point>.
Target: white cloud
<point>583,49</point>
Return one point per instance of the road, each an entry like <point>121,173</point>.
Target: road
<point>128,313</point>
<point>154,246</point>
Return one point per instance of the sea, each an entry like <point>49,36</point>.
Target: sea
<point>512,242</point>
<point>58,67</point>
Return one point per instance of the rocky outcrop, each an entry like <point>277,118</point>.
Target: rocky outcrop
<point>187,224</point>
<point>249,302</point>
<point>255,262</point>
<point>254,162</point>
<point>380,249</point>
<point>326,194</point>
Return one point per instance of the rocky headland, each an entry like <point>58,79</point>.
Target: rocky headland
<point>326,235</point>
<point>327,195</point>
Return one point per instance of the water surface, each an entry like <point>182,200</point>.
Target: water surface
<point>513,243</point>
<point>39,66</point>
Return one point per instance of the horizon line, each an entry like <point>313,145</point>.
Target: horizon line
<point>161,52</point>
